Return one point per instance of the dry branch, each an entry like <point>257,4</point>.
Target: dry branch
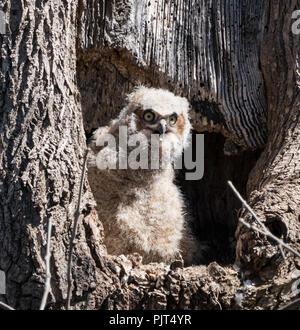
<point>4,306</point>
<point>77,213</point>
<point>48,273</point>
<point>264,231</point>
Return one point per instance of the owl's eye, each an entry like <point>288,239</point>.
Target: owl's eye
<point>173,119</point>
<point>149,116</point>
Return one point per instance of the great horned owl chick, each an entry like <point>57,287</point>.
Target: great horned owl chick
<point>141,209</point>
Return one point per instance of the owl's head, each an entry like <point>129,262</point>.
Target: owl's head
<point>157,111</point>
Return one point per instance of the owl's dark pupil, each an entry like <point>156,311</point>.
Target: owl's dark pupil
<point>149,116</point>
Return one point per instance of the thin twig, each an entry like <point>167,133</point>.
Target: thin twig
<point>282,251</point>
<point>48,273</point>
<point>77,213</point>
<point>246,205</point>
<point>265,231</point>
<point>4,306</point>
<point>295,304</point>
<point>269,234</point>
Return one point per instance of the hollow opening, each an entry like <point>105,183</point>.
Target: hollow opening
<point>210,202</point>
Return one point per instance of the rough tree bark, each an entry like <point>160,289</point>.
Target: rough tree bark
<point>66,66</point>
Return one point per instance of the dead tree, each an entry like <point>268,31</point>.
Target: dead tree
<point>65,68</point>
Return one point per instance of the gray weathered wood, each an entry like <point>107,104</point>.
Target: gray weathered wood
<point>210,48</point>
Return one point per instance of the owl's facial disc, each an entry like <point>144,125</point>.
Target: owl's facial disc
<point>158,124</point>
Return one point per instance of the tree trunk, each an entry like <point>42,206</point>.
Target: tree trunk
<point>42,144</point>
<point>67,65</point>
<point>274,183</point>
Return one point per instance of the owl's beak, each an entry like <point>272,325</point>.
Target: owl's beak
<point>162,128</point>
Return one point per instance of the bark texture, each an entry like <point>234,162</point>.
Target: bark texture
<point>209,51</point>
<point>42,143</point>
<point>210,48</point>
<point>274,183</point>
